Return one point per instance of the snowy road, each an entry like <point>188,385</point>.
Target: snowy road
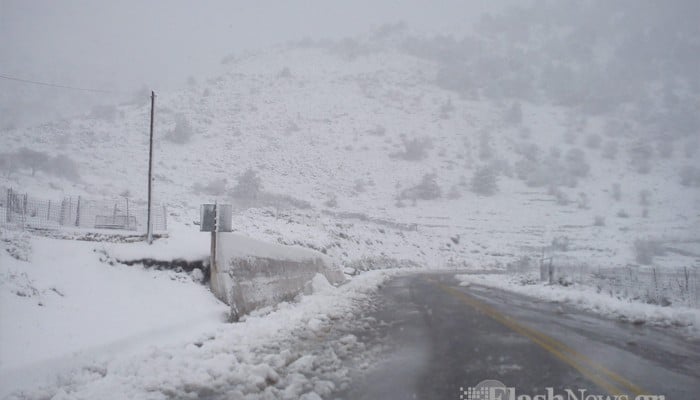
<point>443,337</point>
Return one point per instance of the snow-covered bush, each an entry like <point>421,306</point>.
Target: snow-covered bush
<point>690,176</point>
<point>248,186</point>
<point>484,181</point>
<point>182,132</point>
<point>560,243</point>
<point>599,220</point>
<point>576,164</point>
<point>332,201</point>
<point>427,189</point>
<point>622,214</point>
<point>378,130</point>
<point>415,149</point>
<point>641,154</point>
<point>32,159</point>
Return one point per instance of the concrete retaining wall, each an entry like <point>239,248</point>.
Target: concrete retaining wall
<point>250,274</point>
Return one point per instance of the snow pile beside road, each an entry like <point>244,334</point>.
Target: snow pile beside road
<point>62,307</point>
<point>589,299</point>
<point>260,357</point>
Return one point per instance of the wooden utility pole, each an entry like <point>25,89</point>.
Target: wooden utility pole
<point>149,222</point>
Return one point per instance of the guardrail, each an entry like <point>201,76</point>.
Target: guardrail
<point>251,274</point>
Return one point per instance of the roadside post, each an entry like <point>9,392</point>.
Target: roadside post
<point>215,218</point>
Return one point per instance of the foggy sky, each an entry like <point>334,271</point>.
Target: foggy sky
<point>126,44</point>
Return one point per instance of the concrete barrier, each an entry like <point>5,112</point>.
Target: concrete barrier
<point>249,274</point>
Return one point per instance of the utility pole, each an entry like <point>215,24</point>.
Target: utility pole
<point>149,223</point>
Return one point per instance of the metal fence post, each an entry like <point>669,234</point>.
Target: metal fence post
<point>8,216</point>
<point>77,213</point>
<point>165,219</point>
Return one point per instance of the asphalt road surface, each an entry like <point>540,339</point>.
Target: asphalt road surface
<point>443,339</point>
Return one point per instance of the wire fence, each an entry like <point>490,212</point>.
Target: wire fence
<point>653,285</point>
<point>21,211</point>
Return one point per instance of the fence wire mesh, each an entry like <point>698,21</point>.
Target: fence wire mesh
<point>21,211</point>
<point>653,285</point>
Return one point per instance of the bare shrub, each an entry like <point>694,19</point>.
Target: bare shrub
<point>646,249</point>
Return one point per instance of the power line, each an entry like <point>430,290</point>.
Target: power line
<point>54,85</point>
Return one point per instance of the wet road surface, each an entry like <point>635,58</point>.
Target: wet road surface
<point>443,338</point>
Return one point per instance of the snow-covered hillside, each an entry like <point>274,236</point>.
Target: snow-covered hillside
<point>344,143</point>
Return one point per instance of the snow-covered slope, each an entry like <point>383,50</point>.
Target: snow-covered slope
<point>348,135</point>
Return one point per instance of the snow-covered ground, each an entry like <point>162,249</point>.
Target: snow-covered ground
<point>65,306</point>
<point>87,329</point>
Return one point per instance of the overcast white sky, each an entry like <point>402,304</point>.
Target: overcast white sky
<point>159,43</point>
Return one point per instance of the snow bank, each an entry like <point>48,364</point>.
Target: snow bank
<point>253,274</point>
<point>267,355</point>
<point>589,299</point>
<point>61,307</point>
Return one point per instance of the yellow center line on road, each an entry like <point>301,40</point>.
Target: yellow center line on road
<point>592,370</point>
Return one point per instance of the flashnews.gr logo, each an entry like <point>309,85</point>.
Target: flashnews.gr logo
<point>492,389</point>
